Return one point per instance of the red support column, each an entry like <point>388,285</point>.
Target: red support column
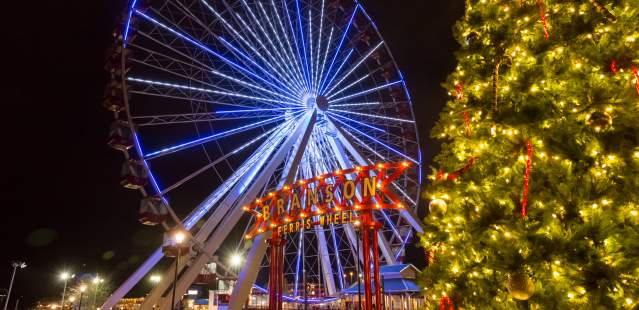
<point>378,291</point>
<point>367,259</point>
<point>274,273</point>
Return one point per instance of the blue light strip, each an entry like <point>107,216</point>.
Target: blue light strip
<point>301,28</point>
<point>366,91</point>
<point>289,61</point>
<point>252,61</point>
<point>295,299</point>
<point>127,28</point>
<point>319,44</point>
<point>339,47</point>
<point>297,46</point>
<point>160,83</point>
<point>359,63</point>
<point>404,242</point>
<point>347,87</point>
<point>375,116</point>
<point>298,66</point>
<point>199,141</point>
<point>273,59</point>
<point>348,56</point>
<point>323,66</point>
<point>380,142</point>
<point>235,32</point>
<point>214,53</point>
<point>258,110</point>
<point>356,121</point>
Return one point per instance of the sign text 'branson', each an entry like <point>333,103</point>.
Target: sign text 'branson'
<point>333,198</point>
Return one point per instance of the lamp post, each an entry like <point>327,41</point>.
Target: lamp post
<point>83,288</point>
<point>65,276</point>
<point>96,282</point>
<point>15,266</point>
<point>178,238</point>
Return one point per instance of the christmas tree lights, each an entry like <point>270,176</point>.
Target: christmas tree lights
<point>535,198</point>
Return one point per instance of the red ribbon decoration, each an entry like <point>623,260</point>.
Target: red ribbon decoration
<point>524,202</point>
<point>636,72</point>
<point>455,174</point>
<point>444,301</point>
<point>469,130</point>
<point>460,91</point>
<point>613,66</point>
<point>543,19</point>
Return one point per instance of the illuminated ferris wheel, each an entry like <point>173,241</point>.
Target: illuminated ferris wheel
<point>218,102</point>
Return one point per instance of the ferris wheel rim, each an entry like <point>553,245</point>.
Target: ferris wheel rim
<point>158,192</point>
<point>143,157</point>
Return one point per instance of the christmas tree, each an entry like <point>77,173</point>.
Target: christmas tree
<point>534,203</point>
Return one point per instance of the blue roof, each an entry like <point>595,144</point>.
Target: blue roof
<point>393,268</point>
<point>390,286</point>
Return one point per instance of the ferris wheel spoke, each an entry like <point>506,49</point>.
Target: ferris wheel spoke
<point>331,114</point>
<point>180,94</point>
<point>272,59</point>
<point>193,175</point>
<point>310,47</point>
<point>324,58</point>
<point>319,44</point>
<point>216,89</point>
<point>365,145</point>
<point>274,54</point>
<point>357,104</point>
<point>303,44</point>
<point>368,91</point>
<point>172,119</point>
<point>161,59</point>
<point>289,60</point>
<point>339,69</point>
<point>199,141</point>
<point>212,91</point>
<point>292,89</point>
<point>188,13</point>
<point>359,63</point>
<point>290,52</point>
<point>393,119</point>
<point>236,34</point>
<point>339,47</point>
<point>200,45</point>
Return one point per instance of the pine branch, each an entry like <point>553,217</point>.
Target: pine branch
<point>496,85</point>
<point>602,9</point>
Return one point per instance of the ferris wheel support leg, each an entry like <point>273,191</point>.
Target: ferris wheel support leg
<point>133,280</point>
<point>408,215</point>
<point>345,163</point>
<point>152,299</point>
<point>248,273</point>
<point>230,220</point>
<point>327,268</point>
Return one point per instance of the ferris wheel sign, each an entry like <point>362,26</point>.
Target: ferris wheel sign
<point>334,198</point>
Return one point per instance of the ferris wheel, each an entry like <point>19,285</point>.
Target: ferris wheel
<point>218,102</point>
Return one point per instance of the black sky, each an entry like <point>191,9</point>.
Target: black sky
<point>62,205</point>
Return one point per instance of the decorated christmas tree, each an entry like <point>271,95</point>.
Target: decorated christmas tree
<point>534,203</point>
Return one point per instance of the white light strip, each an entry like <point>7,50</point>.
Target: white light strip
<point>355,67</point>
<point>158,83</point>
<point>374,116</point>
<point>367,91</point>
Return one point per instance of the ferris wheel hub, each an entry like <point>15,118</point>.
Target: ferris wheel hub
<point>315,102</point>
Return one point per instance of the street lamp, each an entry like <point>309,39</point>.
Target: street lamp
<point>83,288</point>
<point>15,266</point>
<point>96,282</point>
<point>178,237</point>
<point>64,276</point>
<point>155,278</point>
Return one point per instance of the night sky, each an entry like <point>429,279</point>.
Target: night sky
<point>63,206</point>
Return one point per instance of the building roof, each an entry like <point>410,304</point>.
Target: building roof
<point>397,278</point>
<point>391,286</point>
